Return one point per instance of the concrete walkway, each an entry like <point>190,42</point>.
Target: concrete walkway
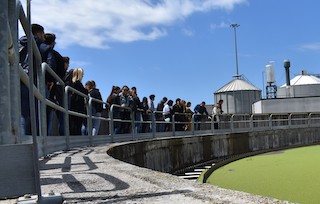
<point>89,175</point>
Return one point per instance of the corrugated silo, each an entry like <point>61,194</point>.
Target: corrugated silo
<point>238,96</point>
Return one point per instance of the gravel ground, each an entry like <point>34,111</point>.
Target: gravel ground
<point>89,175</point>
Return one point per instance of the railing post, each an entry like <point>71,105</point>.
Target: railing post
<point>14,74</point>
<point>5,119</point>
<point>32,104</point>
<point>173,125</point>
<point>153,124</point>
<point>251,122</point>
<point>192,124</point>
<point>89,121</point>
<point>212,124</point>
<point>309,119</point>
<point>43,107</point>
<point>270,121</point>
<point>66,117</point>
<point>290,120</point>
<point>133,125</point>
<point>111,123</point>
<point>232,123</point>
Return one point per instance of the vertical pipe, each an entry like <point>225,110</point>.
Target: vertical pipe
<point>42,105</point>
<point>66,117</point>
<point>32,106</point>
<point>286,64</point>
<point>5,116</point>
<point>89,120</point>
<point>133,128</point>
<point>234,26</point>
<point>153,124</point>
<point>14,75</point>
<point>111,123</point>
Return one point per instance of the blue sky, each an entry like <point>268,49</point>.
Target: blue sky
<point>182,48</point>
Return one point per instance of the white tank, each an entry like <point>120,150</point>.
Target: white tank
<point>270,73</point>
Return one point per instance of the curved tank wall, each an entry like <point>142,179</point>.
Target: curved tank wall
<point>307,90</point>
<point>238,101</point>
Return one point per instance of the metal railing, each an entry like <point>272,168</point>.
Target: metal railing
<point>138,125</point>
<point>136,128</point>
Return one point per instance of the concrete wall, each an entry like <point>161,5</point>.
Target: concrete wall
<point>17,175</point>
<point>168,155</point>
<point>280,105</point>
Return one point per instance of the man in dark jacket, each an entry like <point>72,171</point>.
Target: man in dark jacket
<point>47,56</point>
<point>199,112</point>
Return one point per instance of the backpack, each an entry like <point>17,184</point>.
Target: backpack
<point>23,58</point>
<point>68,77</point>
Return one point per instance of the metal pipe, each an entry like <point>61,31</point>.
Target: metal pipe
<point>32,107</point>
<point>234,26</point>
<point>15,98</point>
<point>5,115</point>
<point>286,64</point>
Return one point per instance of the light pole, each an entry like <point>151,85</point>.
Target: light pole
<point>234,26</point>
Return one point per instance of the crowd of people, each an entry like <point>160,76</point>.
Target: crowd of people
<point>125,102</point>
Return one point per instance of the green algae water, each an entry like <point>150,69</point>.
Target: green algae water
<point>292,175</point>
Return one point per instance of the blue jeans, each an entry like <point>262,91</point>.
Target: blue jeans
<point>96,123</point>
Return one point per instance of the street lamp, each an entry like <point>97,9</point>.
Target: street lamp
<point>234,26</point>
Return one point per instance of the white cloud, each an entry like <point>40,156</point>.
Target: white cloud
<point>221,25</point>
<point>96,23</point>
<point>187,32</point>
<point>310,47</point>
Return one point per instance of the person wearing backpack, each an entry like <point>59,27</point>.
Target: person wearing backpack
<point>47,56</point>
<point>54,94</point>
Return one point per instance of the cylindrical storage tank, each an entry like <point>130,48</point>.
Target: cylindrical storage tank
<point>238,96</point>
<point>270,73</point>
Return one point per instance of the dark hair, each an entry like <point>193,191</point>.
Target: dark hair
<point>90,84</point>
<point>115,88</point>
<point>170,102</point>
<point>49,38</point>
<point>152,96</point>
<point>66,59</point>
<point>36,28</point>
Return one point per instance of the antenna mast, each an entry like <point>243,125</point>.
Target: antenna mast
<point>234,26</point>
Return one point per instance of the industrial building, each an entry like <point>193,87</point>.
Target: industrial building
<point>300,94</point>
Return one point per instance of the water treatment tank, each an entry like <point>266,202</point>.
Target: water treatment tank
<point>238,96</point>
<point>270,73</point>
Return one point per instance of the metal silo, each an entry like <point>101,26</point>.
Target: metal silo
<point>238,96</point>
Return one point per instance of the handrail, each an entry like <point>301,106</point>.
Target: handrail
<point>232,122</point>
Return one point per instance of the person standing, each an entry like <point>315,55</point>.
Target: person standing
<point>135,106</point>
<point>47,56</point>
<point>55,95</point>
<point>201,114</point>
<point>96,107</point>
<point>114,99</point>
<point>189,114</point>
<point>145,117</point>
<point>125,112</point>
<point>151,110</point>
<point>167,114</point>
<point>216,111</point>
<point>178,111</point>
<point>159,116</point>
<point>77,102</point>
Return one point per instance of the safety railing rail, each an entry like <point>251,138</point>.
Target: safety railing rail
<point>153,127</point>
